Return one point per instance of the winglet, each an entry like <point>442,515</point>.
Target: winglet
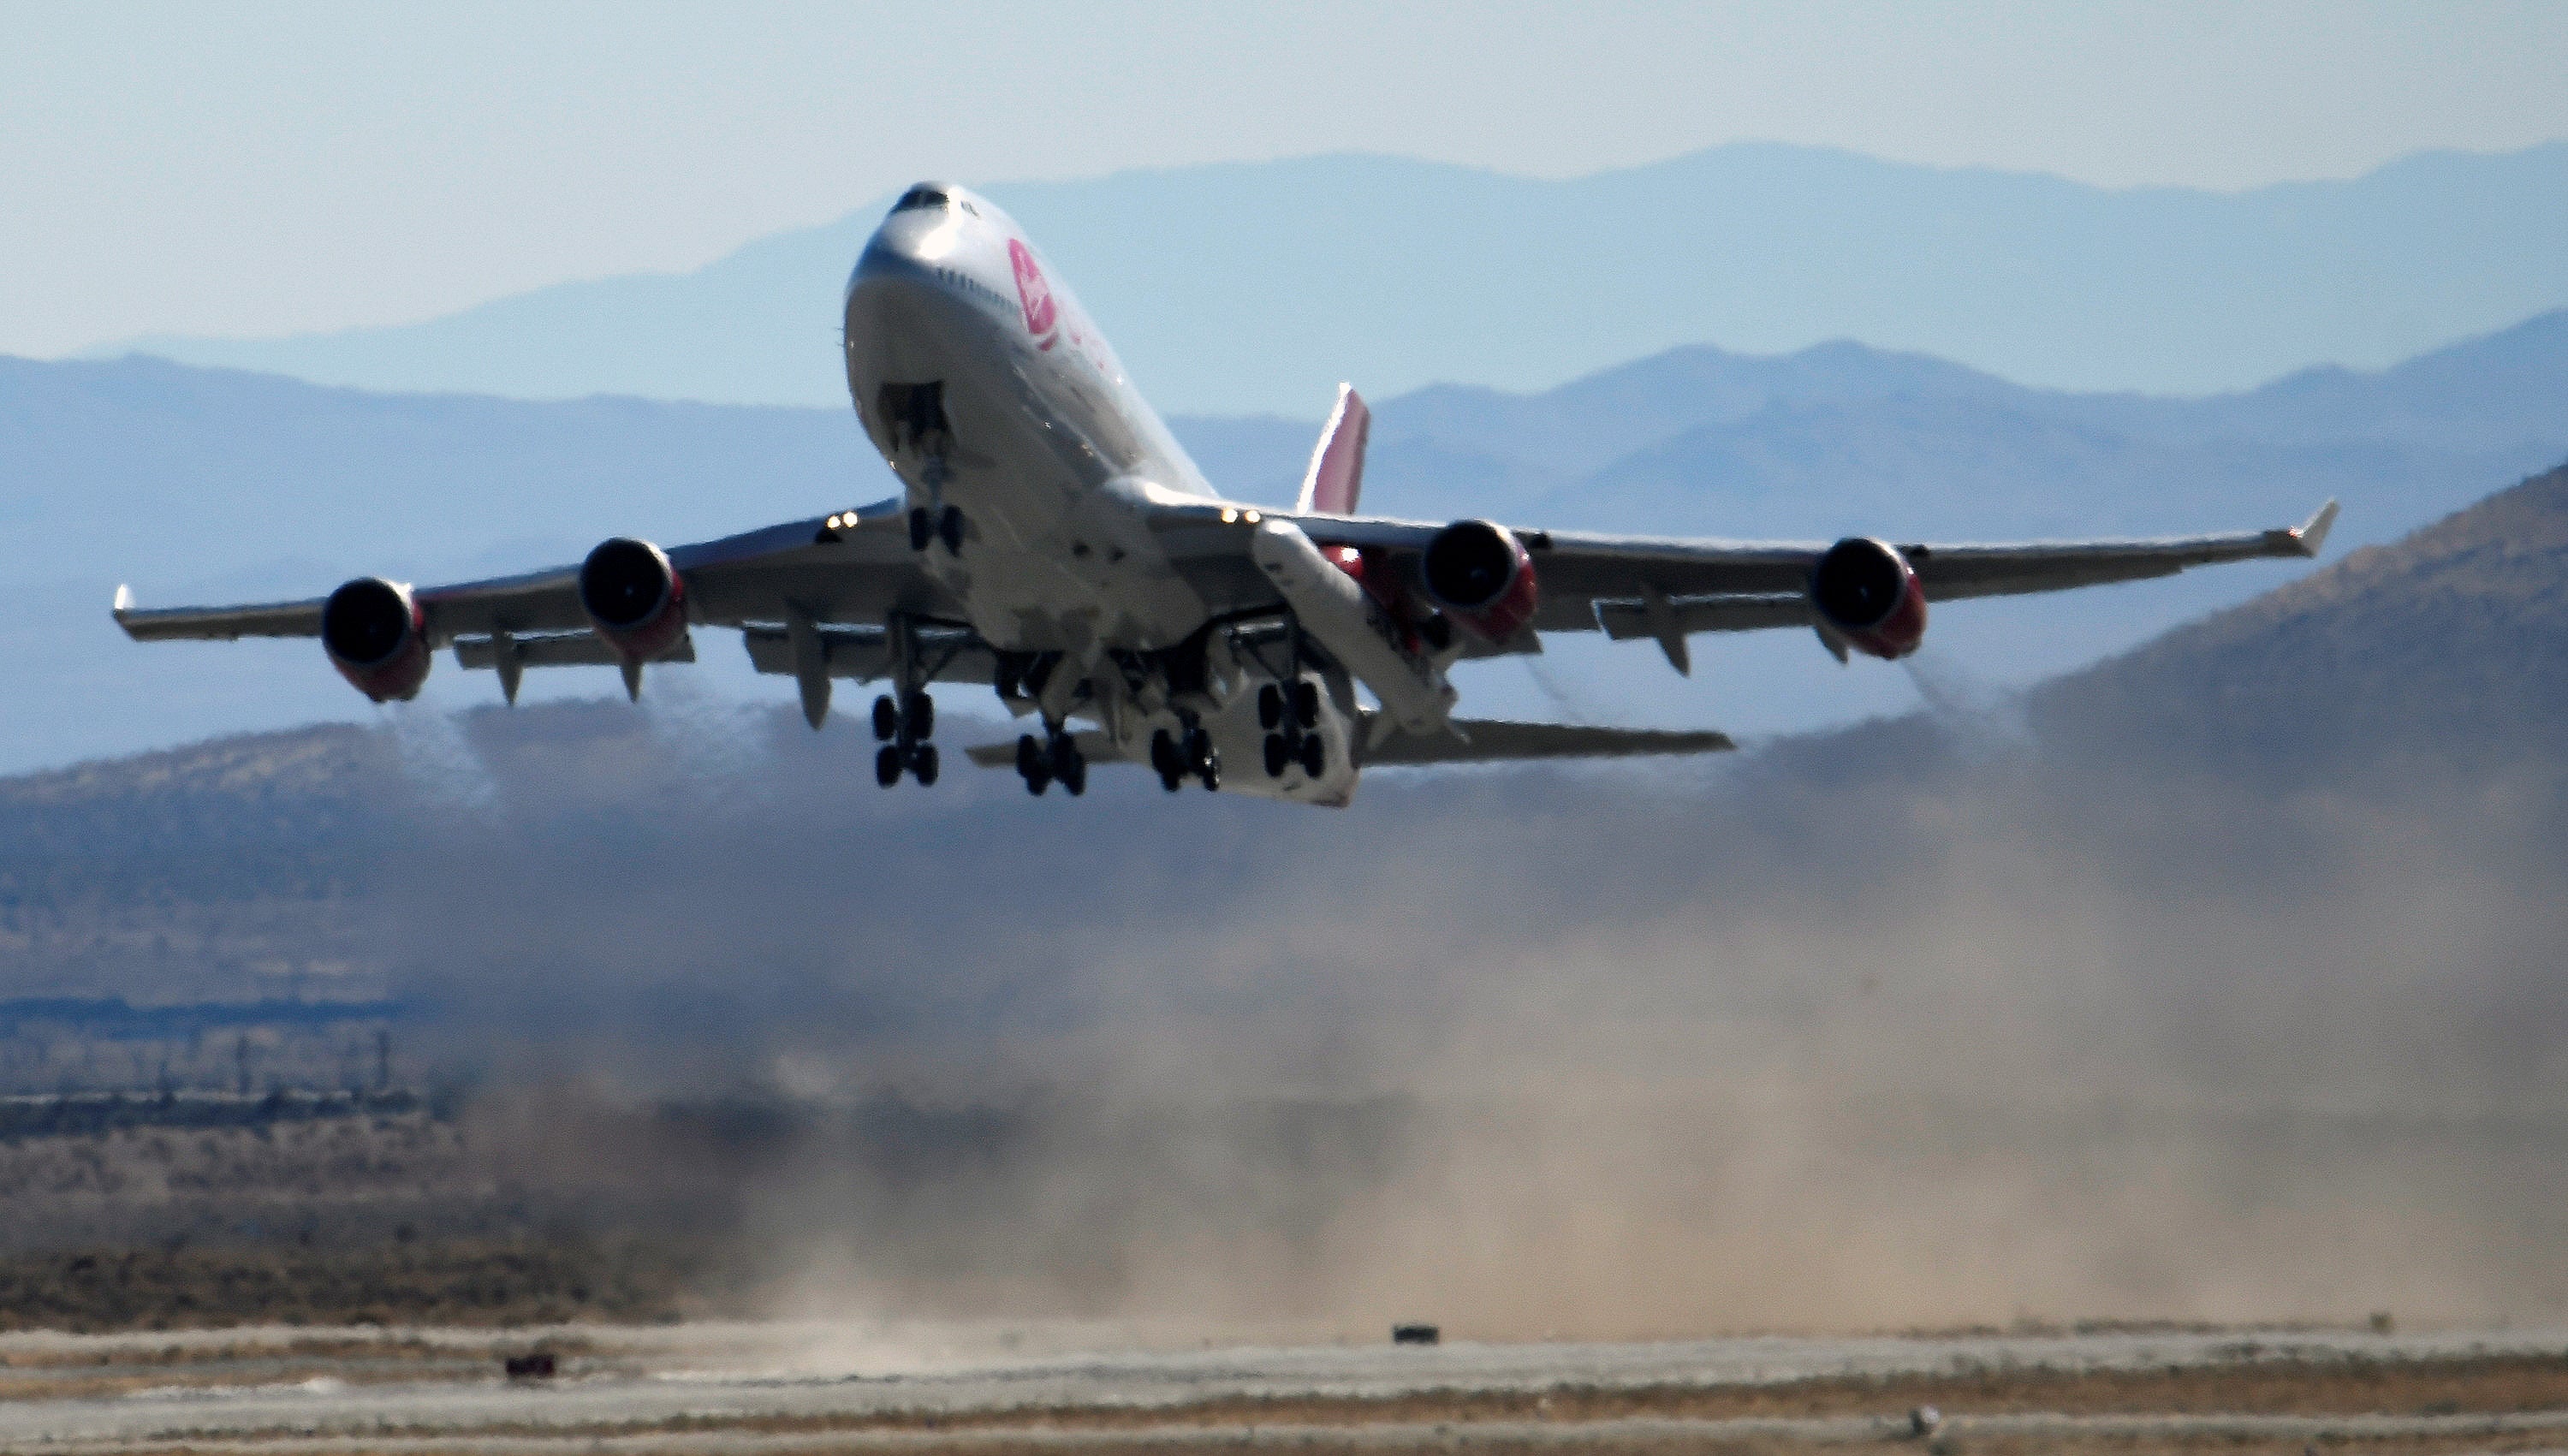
<point>123,601</point>
<point>2311,534</point>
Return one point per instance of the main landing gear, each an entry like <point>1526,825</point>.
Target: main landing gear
<point>903,725</point>
<point>1290,714</point>
<point>1186,753</point>
<point>1053,756</point>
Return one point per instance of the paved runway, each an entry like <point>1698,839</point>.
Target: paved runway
<point>811,1388</point>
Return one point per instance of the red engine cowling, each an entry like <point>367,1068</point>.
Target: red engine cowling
<point>635,600</point>
<point>1869,595</point>
<point>376,637</point>
<point>1482,577</point>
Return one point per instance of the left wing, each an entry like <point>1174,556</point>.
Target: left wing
<point>1668,587</point>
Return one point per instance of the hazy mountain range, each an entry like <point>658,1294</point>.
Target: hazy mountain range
<point>196,484</point>
<point>1258,286</point>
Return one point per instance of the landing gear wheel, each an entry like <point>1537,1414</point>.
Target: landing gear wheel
<point>1306,702</point>
<point>1065,759</point>
<point>1076,780</point>
<point>1210,775</point>
<point>886,720</point>
<point>925,766</point>
<point>921,528</point>
<point>1032,765</point>
<point>1270,707</point>
<point>1315,755</point>
<point>1163,752</point>
<point>1277,757</point>
<point>887,766</point>
<point>949,529</point>
<point>922,717</point>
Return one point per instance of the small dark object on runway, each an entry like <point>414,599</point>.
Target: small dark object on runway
<point>538,1365</point>
<point>1925,1421</point>
<point>1415,1335</point>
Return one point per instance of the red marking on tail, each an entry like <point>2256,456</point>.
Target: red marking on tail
<point>1336,477</point>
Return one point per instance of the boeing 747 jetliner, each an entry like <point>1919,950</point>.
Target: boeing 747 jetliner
<point>1053,540</point>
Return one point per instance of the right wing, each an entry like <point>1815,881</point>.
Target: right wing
<point>1468,742</point>
<point>856,566</point>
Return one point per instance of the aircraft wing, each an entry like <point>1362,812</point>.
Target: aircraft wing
<point>1663,586</point>
<point>856,566</point>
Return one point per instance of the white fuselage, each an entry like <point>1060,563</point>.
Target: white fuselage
<point>1052,457</point>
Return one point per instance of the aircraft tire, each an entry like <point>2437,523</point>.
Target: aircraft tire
<point>921,529</point>
<point>886,720</point>
<point>887,766</point>
<point>922,717</point>
<point>1065,756</point>
<point>949,529</point>
<point>1076,780</point>
<point>1163,754</point>
<point>1277,755</point>
<point>1306,702</point>
<point>1315,755</point>
<point>1210,775</point>
<point>1270,707</point>
<point>1172,780</point>
<point>925,766</point>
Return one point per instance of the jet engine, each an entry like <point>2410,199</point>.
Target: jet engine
<point>377,638</point>
<point>1869,595</point>
<point>1480,574</point>
<point>635,600</point>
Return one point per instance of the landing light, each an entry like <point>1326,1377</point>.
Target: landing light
<point>1228,515</point>
<point>1250,517</point>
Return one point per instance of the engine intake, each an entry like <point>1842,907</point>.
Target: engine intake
<point>1482,577</point>
<point>635,600</point>
<point>376,637</point>
<point>1869,595</point>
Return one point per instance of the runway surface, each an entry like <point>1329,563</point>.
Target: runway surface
<point>815,1387</point>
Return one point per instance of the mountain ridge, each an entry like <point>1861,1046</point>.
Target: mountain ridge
<point>1235,287</point>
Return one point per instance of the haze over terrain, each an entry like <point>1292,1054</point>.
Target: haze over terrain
<point>198,485</point>
<point>2214,982</point>
<point>1255,287</point>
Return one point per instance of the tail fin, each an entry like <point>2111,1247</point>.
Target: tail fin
<point>1336,465</point>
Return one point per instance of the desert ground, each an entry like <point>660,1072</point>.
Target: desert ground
<point>794,1387</point>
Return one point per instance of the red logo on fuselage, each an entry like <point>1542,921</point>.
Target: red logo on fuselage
<point>1033,294</point>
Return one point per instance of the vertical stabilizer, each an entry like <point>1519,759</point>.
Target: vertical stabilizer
<point>1337,466</point>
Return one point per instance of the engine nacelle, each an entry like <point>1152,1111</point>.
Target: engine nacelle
<point>1482,577</point>
<point>635,600</point>
<point>376,637</point>
<point>1869,595</point>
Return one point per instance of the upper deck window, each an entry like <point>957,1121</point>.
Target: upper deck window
<point>922,197</point>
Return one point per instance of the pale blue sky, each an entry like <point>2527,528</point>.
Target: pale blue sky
<point>246,169</point>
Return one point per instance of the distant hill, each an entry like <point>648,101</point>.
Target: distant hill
<point>198,484</point>
<point>1258,286</point>
<point>2449,645</point>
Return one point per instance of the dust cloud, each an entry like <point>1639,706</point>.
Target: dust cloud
<point>1919,1024</point>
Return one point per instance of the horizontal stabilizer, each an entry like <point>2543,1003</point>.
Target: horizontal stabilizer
<point>1493,743</point>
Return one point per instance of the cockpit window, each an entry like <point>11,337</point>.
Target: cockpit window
<point>922,197</point>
